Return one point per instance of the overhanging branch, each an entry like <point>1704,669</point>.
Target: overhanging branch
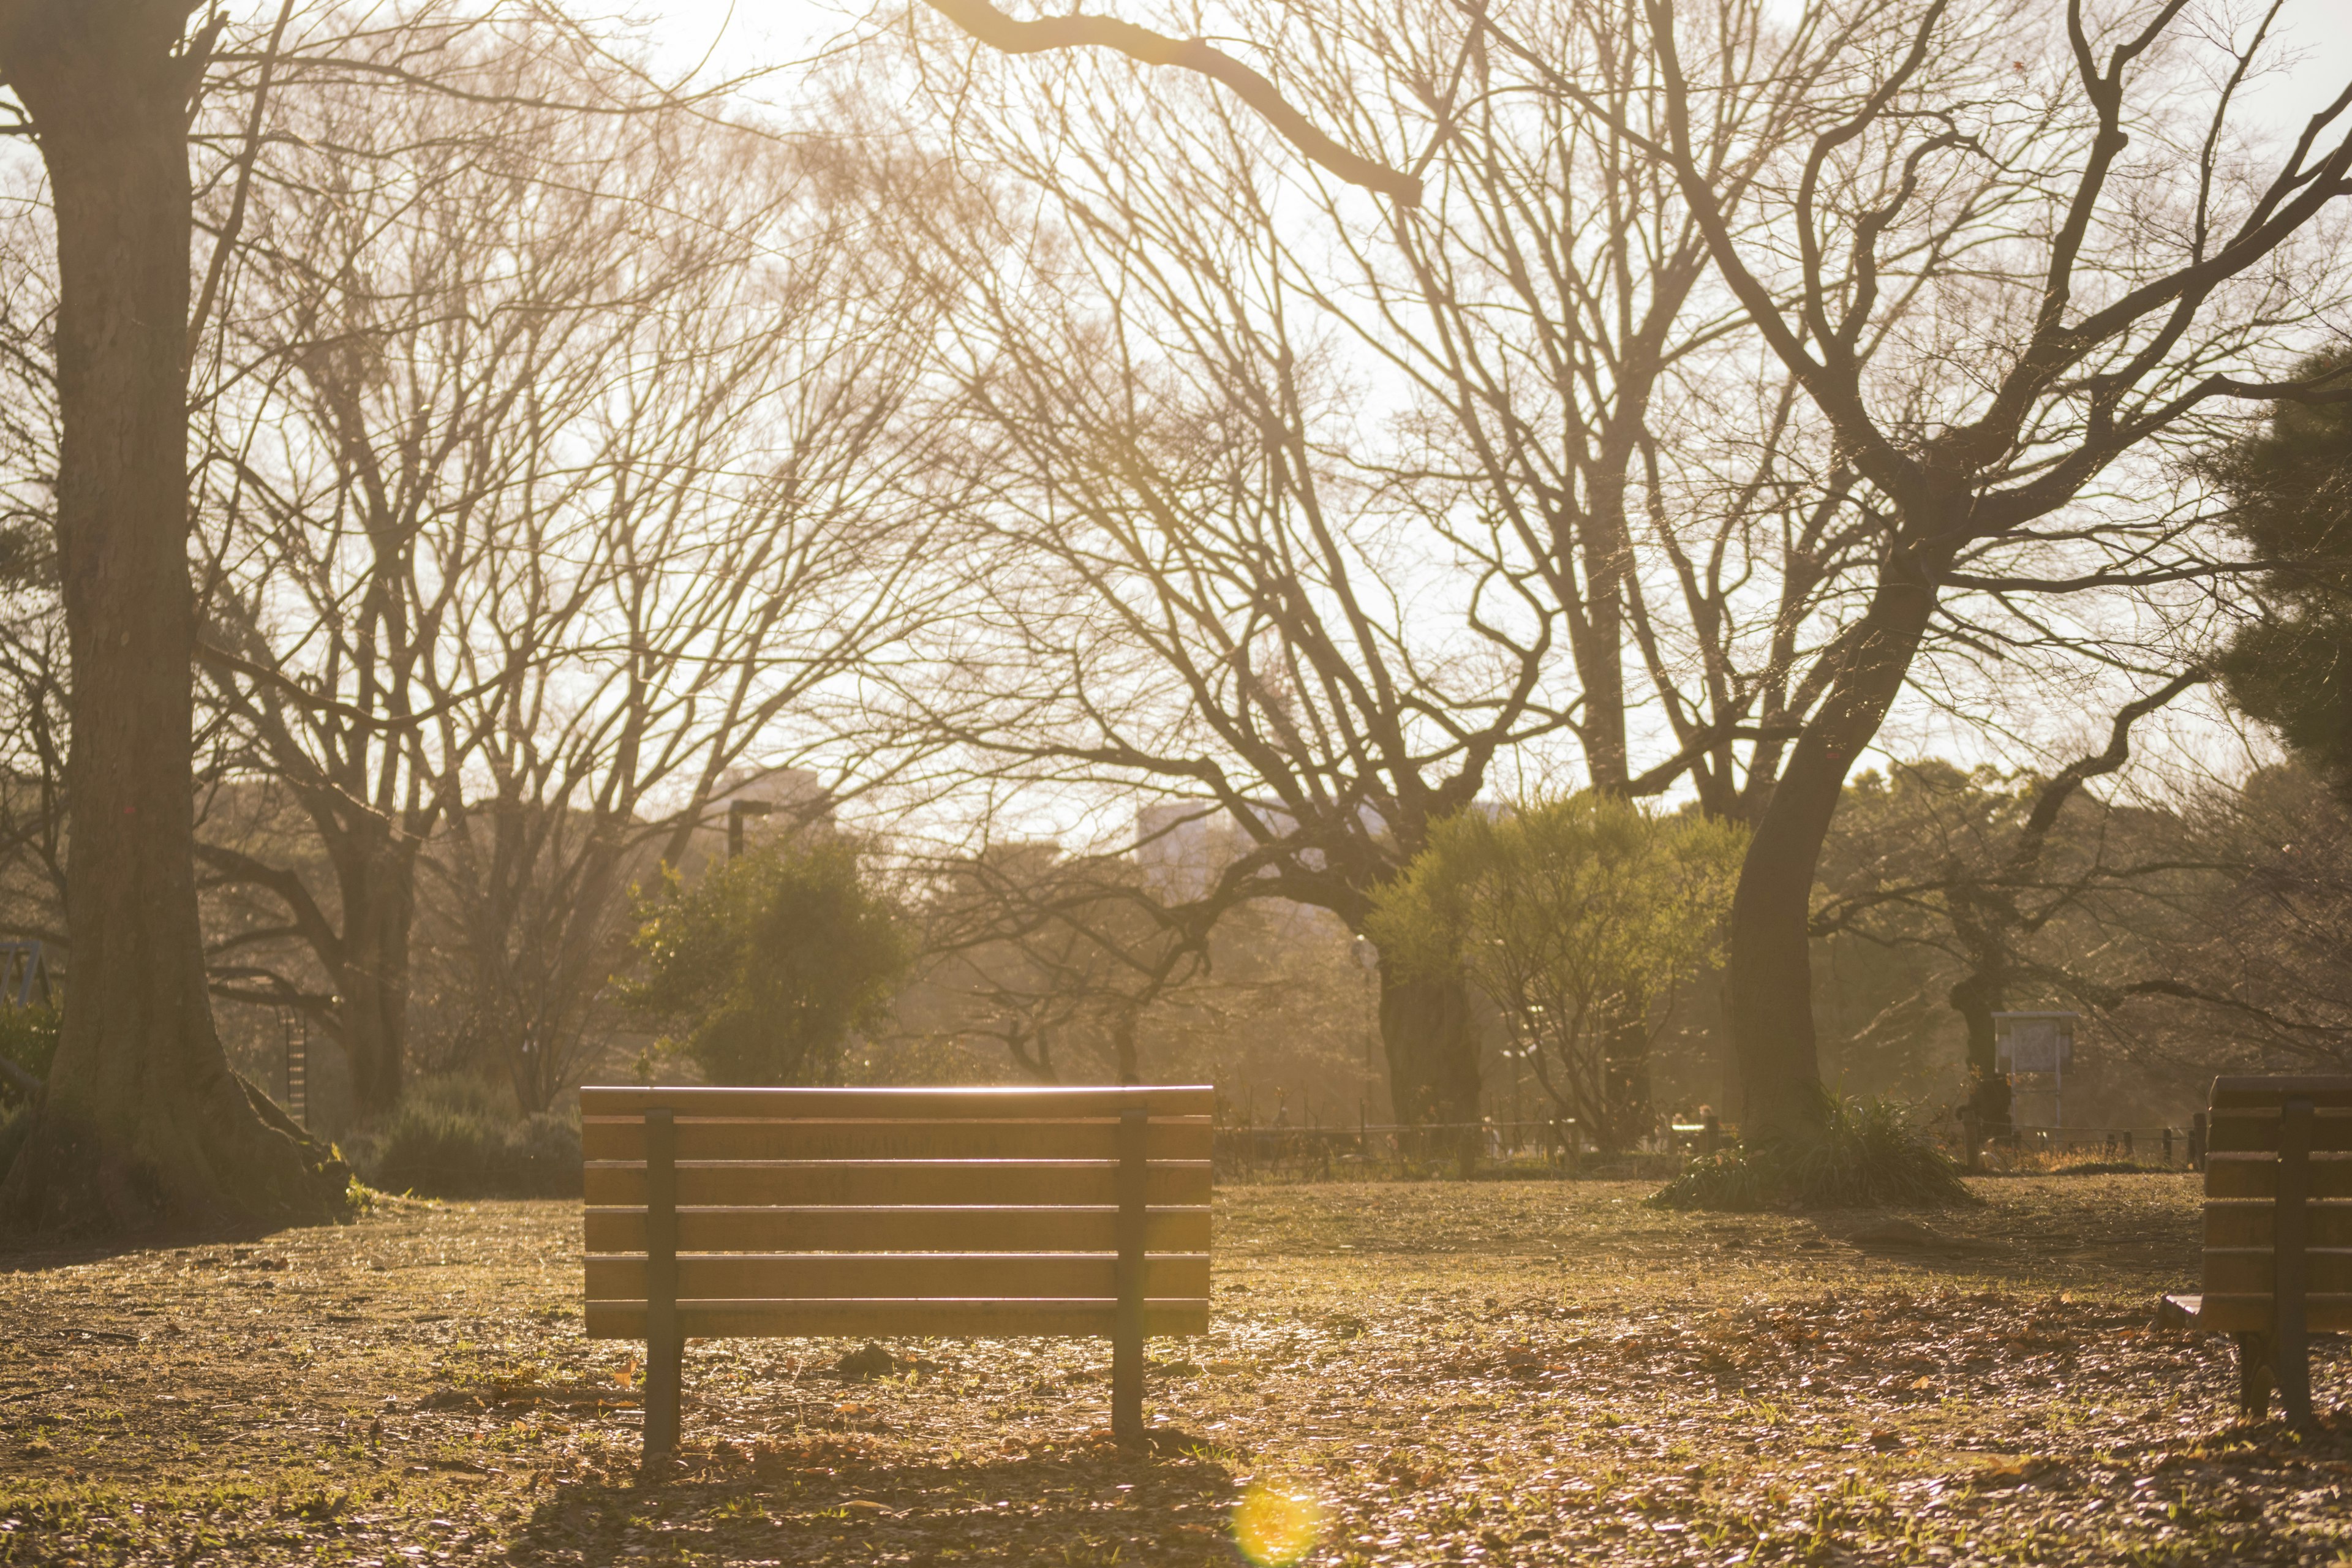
<point>992,26</point>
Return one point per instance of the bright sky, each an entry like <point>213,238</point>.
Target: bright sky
<point>732,38</point>
<point>740,36</point>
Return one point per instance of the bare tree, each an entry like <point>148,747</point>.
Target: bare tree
<point>142,1119</point>
<point>1568,413</point>
<point>430,291</point>
<point>33,677</point>
<point>2123,273</point>
<point>524,546</point>
<point>1056,958</point>
<point>1192,588</point>
<point>1983,872</point>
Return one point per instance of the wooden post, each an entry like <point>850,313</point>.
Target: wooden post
<point>1127,1336</point>
<point>665,1346</point>
<point>2290,1345</point>
<point>1971,1141</point>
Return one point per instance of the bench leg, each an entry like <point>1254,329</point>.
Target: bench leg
<point>2253,1375</point>
<point>664,1357</point>
<point>2290,1367</point>
<point>1126,1331</point>
<point>665,1340</point>
<point>2290,1262</point>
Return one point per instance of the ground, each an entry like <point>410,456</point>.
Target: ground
<point>1498,1372</point>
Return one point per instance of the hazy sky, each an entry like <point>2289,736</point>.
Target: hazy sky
<point>738,35</point>
<point>731,38</point>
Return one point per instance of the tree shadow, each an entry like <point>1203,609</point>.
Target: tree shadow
<point>816,1498</point>
<point>23,1255</point>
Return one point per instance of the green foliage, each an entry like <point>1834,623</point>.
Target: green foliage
<point>459,1137</point>
<point>28,1037</point>
<point>760,972</point>
<point>2290,491</point>
<point>1865,1154</point>
<point>1578,916</point>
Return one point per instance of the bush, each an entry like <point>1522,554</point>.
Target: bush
<point>1866,1154</point>
<point>458,1138</point>
<point>761,972</point>
<point>28,1037</point>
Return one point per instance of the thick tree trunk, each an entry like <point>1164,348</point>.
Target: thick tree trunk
<point>1768,973</point>
<point>1433,1050</point>
<point>142,1123</point>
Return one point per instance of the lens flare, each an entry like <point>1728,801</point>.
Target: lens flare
<point>1275,1529</point>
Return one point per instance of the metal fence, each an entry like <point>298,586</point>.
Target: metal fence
<point>1551,1147</point>
<point>2180,1148</point>
<point>1555,1148</point>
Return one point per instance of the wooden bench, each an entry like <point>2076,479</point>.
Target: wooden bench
<point>763,1212</point>
<point>2278,1232</point>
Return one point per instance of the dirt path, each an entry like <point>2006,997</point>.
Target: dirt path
<point>1502,1372</point>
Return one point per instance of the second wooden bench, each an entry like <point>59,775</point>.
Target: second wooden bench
<point>2278,1232</point>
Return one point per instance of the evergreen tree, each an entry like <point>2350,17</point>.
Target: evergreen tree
<point>761,971</point>
<point>2290,491</point>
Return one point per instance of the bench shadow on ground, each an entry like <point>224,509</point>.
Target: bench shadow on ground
<point>766,1502</point>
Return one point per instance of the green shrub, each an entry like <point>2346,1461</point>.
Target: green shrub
<point>28,1037</point>
<point>459,1138</point>
<point>761,971</point>
<point>1865,1154</point>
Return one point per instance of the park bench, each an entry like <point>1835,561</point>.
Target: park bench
<point>765,1213</point>
<point>2278,1232</point>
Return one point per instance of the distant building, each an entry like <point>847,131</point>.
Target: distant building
<point>1184,847</point>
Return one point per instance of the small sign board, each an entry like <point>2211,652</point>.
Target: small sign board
<point>2033,1042</point>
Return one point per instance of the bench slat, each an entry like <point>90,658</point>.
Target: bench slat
<point>957,1319</point>
<point>2240,1314</point>
<point>922,1104</point>
<point>986,1183</point>
<point>1042,1229</point>
<point>2233,1093</point>
<point>2254,1176</point>
<point>2256,1127</point>
<point>1192,1138</point>
<point>2248,1271</point>
<point>2249,1222</point>
<point>837,1276</point>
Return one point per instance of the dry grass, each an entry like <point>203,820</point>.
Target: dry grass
<point>1496,1371</point>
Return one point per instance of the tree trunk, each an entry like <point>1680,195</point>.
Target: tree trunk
<point>1596,639</point>
<point>142,1123</point>
<point>1768,973</point>
<point>1433,1050</point>
<point>379,907</point>
<point>1625,1116</point>
<point>1976,998</point>
<point>1983,919</point>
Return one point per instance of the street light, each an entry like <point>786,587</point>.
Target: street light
<point>737,810</point>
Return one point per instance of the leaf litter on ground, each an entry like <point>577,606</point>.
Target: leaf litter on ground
<point>1526,1372</point>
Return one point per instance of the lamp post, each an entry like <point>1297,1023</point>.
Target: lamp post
<point>737,810</point>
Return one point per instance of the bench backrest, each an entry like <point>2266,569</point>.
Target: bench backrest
<point>2278,1203</point>
<point>896,1211</point>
